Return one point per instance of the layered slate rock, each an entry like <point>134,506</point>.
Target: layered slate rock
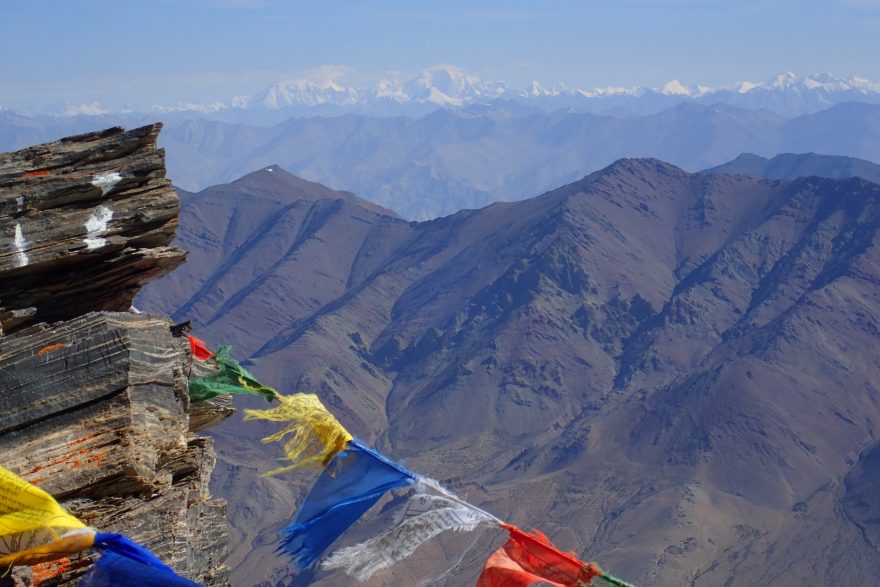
<point>84,223</point>
<point>94,405</point>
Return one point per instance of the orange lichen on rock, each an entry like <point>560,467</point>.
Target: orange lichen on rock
<point>52,569</point>
<point>50,348</point>
<point>76,459</point>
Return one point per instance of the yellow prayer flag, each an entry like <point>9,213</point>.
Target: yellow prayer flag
<point>72,542</point>
<point>316,435</point>
<point>33,526</point>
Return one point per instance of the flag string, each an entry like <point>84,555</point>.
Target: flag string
<point>612,580</point>
<point>358,476</point>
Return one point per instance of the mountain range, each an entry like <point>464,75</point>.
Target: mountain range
<point>450,160</point>
<point>446,86</point>
<point>671,373</point>
<point>786,94</point>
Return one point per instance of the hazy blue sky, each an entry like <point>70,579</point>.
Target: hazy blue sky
<point>138,53</point>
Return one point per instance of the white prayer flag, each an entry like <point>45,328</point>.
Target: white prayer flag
<point>424,517</point>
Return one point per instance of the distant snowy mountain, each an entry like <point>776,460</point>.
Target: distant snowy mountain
<point>306,93</point>
<point>789,95</point>
<point>441,86</point>
<point>445,86</point>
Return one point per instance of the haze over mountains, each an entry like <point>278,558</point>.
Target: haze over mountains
<point>453,159</point>
<point>446,86</point>
<point>785,94</point>
<point>672,373</point>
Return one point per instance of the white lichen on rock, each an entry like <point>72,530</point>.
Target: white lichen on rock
<point>20,245</point>
<point>96,225</point>
<point>106,181</point>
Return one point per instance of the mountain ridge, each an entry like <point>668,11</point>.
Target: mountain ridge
<point>465,159</point>
<point>452,160</point>
<point>644,363</point>
<point>789,166</point>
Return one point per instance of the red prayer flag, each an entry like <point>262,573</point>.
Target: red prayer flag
<point>199,349</point>
<point>526,559</point>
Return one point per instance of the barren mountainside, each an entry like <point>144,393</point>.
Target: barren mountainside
<point>674,374</point>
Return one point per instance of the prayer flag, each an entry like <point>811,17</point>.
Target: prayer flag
<point>526,559</point>
<point>124,563</point>
<point>229,377</point>
<point>424,516</point>
<point>119,544</point>
<point>115,570</point>
<point>353,481</point>
<point>316,436</point>
<point>33,526</point>
<point>199,348</point>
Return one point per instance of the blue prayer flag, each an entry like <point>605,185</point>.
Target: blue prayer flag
<point>124,563</point>
<point>119,544</point>
<point>353,481</point>
<point>114,570</point>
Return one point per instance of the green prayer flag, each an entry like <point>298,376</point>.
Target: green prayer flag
<point>230,377</point>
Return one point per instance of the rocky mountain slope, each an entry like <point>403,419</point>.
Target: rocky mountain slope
<point>673,374</point>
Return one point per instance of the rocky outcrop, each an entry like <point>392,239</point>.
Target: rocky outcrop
<point>85,222</point>
<point>93,398</point>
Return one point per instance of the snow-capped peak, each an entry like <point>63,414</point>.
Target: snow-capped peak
<point>308,93</point>
<point>862,85</point>
<point>390,89</point>
<point>831,83</point>
<point>817,82</point>
<point>745,87</point>
<point>240,101</point>
<point>675,88</point>
<point>536,89</point>
<point>93,109</point>
<point>783,81</point>
<point>191,107</point>
<point>444,85</point>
